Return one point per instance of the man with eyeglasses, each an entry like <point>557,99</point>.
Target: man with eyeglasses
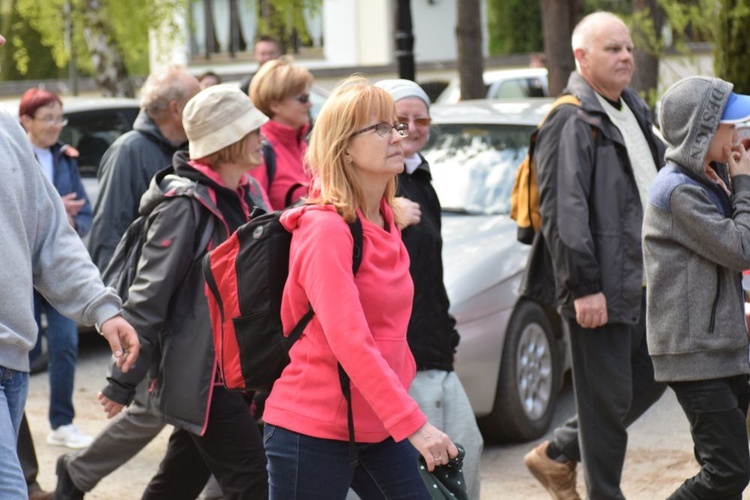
<point>431,334</point>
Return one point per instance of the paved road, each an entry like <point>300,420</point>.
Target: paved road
<point>659,456</point>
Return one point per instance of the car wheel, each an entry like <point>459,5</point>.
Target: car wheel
<point>529,381</point>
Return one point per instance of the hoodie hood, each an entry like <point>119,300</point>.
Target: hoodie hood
<point>166,182</point>
<point>290,219</point>
<point>146,125</point>
<point>690,113</point>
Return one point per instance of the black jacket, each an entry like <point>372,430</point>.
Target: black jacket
<point>167,305</point>
<point>432,334</point>
<point>591,211</point>
<point>124,174</point>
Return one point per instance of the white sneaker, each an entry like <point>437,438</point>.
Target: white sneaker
<point>69,436</point>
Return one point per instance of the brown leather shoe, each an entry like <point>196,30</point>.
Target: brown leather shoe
<point>41,495</point>
<point>557,477</point>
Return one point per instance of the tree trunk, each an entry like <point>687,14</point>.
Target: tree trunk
<point>646,77</point>
<point>109,65</point>
<point>558,20</point>
<point>470,57</point>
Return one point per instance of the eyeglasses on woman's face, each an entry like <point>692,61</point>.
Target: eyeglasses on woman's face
<point>52,120</point>
<point>385,129</point>
<point>420,122</point>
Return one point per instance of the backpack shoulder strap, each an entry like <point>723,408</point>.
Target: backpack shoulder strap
<point>269,157</point>
<point>560,101</point>
<point>180,186</point>
<point>356,229</point>
<point>205,229</point>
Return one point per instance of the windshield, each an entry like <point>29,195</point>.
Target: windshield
<point>474,166</point>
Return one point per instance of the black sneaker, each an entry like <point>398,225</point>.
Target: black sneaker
<point>65,490</point>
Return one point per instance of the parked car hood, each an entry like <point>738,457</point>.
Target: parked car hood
<point>479,252</point>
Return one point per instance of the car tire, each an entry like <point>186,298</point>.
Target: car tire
<point>529,380</point>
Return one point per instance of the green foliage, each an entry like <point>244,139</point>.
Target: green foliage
<point>127,22</point>
<point>643,33</point>
<point>691,20</point>
<point>515,26</point>
<point>282,18</point>
<point>25,57</point>
<point>731,44</point>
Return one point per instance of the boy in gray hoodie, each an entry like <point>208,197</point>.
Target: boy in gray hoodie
<point>696,242</point>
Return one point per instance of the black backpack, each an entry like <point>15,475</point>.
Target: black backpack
<point>245,276</point>
<point>123,266</point>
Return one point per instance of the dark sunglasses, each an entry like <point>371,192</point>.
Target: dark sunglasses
<point>421,122</point>
<point>302,98</point>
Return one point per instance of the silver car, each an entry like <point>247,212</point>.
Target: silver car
<point>503,84</point>
<point>512,354</point>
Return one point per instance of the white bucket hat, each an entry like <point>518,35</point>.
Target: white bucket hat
<point>218,117</point>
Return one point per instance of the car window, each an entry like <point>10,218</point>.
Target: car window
<point>474,166</point>
<point>92,132</point>
<point>520,88</point>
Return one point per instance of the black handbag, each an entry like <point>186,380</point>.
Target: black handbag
<point>445,482</point>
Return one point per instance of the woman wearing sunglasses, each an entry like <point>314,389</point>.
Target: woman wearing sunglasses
<point>432,333</point>
<point>281,90</point>
<point>360,320</point>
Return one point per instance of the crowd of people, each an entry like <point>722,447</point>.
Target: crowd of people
<point>641,249</point>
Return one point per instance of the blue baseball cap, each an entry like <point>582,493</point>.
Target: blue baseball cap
<point>737,109</point>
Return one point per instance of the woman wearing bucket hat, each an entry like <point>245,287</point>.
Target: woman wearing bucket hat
<point>206,193</point>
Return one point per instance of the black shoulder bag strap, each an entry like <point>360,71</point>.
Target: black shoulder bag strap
<point>269,157</point>
<point>356,229</point>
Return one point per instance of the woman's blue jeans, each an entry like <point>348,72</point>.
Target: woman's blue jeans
<point>62,350</point>
<point>304,467</point>
<point>14,387</point>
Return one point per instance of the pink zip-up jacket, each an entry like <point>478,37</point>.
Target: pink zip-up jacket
<point>360,321</point>
<point>289,147</point>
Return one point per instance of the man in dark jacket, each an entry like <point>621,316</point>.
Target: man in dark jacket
<point>124,175</point>
<point>594,165</point>
<point>133,159</point>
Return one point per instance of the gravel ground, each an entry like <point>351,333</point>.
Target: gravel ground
<point>659,455</point>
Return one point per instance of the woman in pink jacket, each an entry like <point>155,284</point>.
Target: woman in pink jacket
<point>360,320</point>
<point>281,91</point>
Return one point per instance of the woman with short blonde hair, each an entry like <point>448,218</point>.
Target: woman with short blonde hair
<point>281,90</point>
